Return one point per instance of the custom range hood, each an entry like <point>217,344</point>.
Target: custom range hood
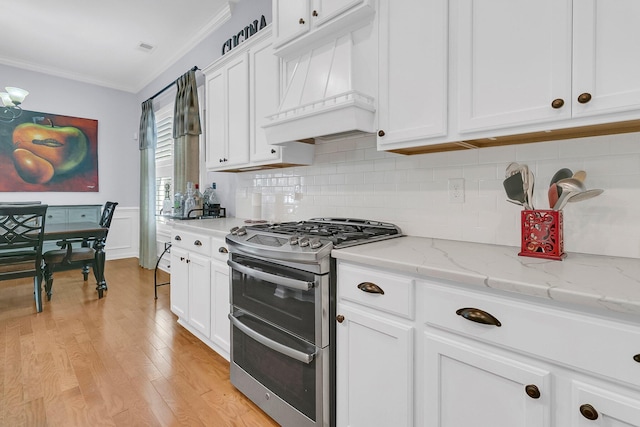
<point>327,94</point>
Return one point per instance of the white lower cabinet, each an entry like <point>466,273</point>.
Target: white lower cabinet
<point>200,287</point>
<point>374,370</point>
<point>199,293</point>
<point>481,358</point>
<point>220,328</point>
<point>470,386</point>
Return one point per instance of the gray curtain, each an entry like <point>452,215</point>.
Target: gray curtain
<point>186,131</point>
<point>147,139</point>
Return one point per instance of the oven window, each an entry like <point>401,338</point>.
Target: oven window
<point>292,380</point>
<point>291,309</point>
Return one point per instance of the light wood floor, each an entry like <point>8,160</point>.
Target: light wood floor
<point>119,361</point>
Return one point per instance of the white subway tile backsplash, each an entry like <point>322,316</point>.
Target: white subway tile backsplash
<point>350,178</point>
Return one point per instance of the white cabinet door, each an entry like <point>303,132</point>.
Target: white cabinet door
<point>326,10</point>
<point>291,19</point>
<point>179,291</point>
<point>237,76</point>
<point>227,89</point>
<point>413,54</point>
<point>606,60</point>
<point>199,293</point>
<point>220,308</point>
<point>468,386</point>
<point>264,87</point>
<point>216,125</point>
<point>595,406</point>
<point>514,60</point>
<point>374,370</point>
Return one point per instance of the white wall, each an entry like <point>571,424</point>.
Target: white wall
<point>350,178</point>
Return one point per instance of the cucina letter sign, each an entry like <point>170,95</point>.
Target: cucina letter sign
<point>244,34</point>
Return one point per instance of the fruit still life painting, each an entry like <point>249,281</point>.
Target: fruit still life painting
<point>49,152</point>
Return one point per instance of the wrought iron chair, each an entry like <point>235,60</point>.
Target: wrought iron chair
<point>82,255</point>
<point>21,236</point>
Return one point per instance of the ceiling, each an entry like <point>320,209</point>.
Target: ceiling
<point>99,42</point>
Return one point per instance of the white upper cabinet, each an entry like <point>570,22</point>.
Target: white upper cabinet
<point>605,56</point>
<point>513,61</point>
<point>305,24</point>
<point>291,19</point>
<point>526,66</point>
<point>242,89</point>
<point>412,92</point>
<point>227,94</point>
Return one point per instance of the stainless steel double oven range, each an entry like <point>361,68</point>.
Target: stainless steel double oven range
<point>283,293</point>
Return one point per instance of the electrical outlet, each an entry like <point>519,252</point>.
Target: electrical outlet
<point>456,190</point>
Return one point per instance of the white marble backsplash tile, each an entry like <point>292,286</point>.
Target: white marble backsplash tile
<point>350,178</point>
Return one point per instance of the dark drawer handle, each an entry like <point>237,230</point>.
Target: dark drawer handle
<point>370,288</point>
<point>478,316</point>
<point>532,391</point>
<point>340,318</point>
<point>223,250</point>
<point>178,238</point>
<point>583,98</point>
<point>557,103</point>
<point>637,358</point>
<point>589,412</point>
<point>197,243</point>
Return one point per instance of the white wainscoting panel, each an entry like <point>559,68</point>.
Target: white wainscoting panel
<point>123,239</point>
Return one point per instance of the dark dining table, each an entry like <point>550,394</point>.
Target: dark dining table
<point>83,230</point>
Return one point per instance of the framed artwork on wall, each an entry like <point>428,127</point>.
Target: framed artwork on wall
<point>49,152</point>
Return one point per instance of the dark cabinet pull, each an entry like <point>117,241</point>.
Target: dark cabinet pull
<point>223,250</point>
<point>532,391</point>
<point>273,151</point>
<point>370,288</point>
<point>340,318</point>
<point>637,358</point>
<point>178,238</point>
<point>583,98</point>
<point>380,132</point>
<point>197,243</point>
<point>315,13</point>
<point>181,258</point>
<point>557,103</point>
<point>478,316</point>
<point>301,21</point>
<point>589,412</point>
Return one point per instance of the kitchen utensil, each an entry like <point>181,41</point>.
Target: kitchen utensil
<point>561,174</point>
<point>564,199</point>
<point>570,187</point>
<point>553,195</point>
<point>584,195</point>
<point>512,168</point>
<point>580,176</point>
<point>571,184</point>
<point>514,188</point>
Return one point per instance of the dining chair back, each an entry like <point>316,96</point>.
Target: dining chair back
<point>21,237</point>
<point>76,253</point>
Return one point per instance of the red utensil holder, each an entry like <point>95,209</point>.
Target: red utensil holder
<point>542,235</point>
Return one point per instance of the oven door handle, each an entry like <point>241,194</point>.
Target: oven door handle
<point>273,345</point>
<point>273,278</point>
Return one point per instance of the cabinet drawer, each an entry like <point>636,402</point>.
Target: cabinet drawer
<point>192,242</point>
<point>219,249</point>
<point>398,296</point>
<point>56,216</point>
<point>84,214</point>
<point>578,340</point>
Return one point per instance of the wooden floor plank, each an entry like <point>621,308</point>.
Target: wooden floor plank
<point>119,361</point>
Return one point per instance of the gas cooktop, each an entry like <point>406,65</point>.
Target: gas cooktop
<point>342,232</point>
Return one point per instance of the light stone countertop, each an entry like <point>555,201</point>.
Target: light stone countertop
<point>215,226</point>
<point>603,282</point>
